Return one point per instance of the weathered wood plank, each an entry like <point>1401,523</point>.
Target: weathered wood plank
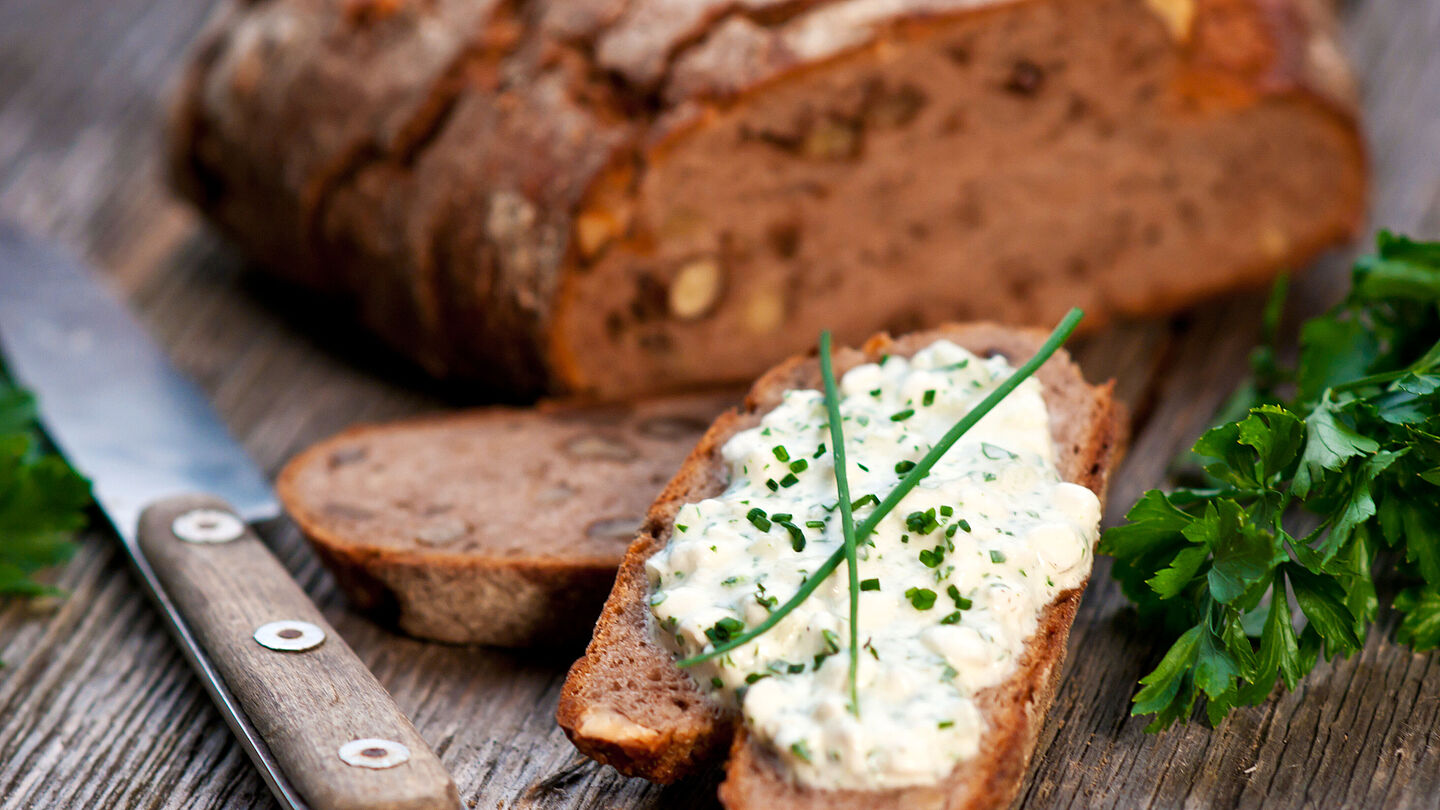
<point>98,710</point>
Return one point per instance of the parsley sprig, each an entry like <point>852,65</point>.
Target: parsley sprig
<point>922,468</point>
<point>42,500</point>
<point>1317,468</point>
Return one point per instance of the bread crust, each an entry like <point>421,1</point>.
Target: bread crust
<point>656,723</point>
<point>441,163</point>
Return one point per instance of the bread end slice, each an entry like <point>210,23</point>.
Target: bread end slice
<point>499,526</point>
<point>625,703</point>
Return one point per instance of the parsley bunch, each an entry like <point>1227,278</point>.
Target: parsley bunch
<point>1322,466</point>
<point>42,500</point>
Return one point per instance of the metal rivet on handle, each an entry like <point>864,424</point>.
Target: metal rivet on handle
<point>374,753</point>
<point>207,526</point>
<point>289,636</point>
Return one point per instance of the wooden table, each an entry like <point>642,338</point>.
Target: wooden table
<point>98,710</point>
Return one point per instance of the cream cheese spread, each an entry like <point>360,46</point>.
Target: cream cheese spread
<point>952,581</point>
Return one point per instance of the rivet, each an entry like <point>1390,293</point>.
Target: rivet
<point>371,752</point>
<point>289,636</point>
<point>207,526</point>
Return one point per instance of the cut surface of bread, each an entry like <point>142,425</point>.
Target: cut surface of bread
<point>623,196</point>
<point>625,702</point>
<point>501,526</point>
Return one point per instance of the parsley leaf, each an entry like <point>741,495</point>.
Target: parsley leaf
<point>42,500</point>
<point>1346,445</point>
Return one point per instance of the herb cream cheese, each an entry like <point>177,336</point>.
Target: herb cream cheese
<point>952,581</point>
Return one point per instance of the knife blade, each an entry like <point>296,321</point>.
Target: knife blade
<point>180,493</point>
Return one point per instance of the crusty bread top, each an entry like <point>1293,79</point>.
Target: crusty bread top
<point>568,483</point>
<point>627,704</point>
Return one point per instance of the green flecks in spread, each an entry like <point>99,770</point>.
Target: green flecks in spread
<point>921,598</point>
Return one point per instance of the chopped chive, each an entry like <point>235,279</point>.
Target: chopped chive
<point>757,519</point>
<point>947,511</point>
<point>872,498</point>
<point>780,517</point>
<point>1061,333</point>
<point>960,602</point>
<point>789,480</point>
<point>728,581</point>
<point>903,467</point>
<point>932,558</point>
<point>716,682</point>
<point>929,398</point>
<point>874,392</point>
<point>921,598</point>
<point>724,630</point>
<point>901,416</point>
<point>797,537</point>
<point>870,584</point>
<point>682,527</point>
<point>770,483</point>
<point>755,676</point>
<point>814,524</point>
<point>949,673</point>
<point>952,618</point>
<point>780,452</point>
<point>964,525</point>
<point>995,452</point>
<point>801,750</point>
<point>945,724</point>
<point>862,466</point>
<point>997,556</point>
<point>950,530</point>
<point>819,451</point>
<point>799,465</point>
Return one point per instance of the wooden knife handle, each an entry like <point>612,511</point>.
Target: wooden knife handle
<point>307,704</point>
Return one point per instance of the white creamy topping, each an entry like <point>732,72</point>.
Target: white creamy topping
<point>953,579</point>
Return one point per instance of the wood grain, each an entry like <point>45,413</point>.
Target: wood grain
<point>305,704</point>
<point>97,709</point>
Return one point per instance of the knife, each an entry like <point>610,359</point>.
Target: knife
<point>180,493</point>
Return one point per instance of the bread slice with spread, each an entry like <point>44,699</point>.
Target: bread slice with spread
<point>968,588</point>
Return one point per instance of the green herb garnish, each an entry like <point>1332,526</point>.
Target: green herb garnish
<point>42,500</point>
<point>901,416</point>
<point>869,584</point>
<point>921,598</point>
<point>757,519</point>
<point>847,517</point>
<point>960,602</point>
<point>1351,435</point>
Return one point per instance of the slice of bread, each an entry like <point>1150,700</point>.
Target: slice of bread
<point>625,702</point>
<point>500,526</point>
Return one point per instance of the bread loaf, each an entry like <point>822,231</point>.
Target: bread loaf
<point>626,703</point>
<point>621,196</point>
<point>500,526</point>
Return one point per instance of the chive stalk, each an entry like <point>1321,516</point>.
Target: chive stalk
<point>1057,338</point>
<point>847,517</point>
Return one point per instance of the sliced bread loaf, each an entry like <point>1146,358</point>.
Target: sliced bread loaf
<point>621,196</point>
<point>500,526</point>
<point>627,704</point>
